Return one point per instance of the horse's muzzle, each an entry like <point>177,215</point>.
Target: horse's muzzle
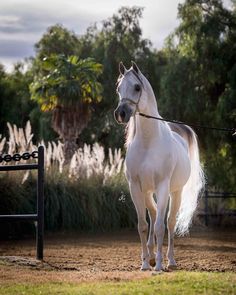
<point>123,113</point>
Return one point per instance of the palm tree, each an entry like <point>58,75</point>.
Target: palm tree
<point>67,86</point>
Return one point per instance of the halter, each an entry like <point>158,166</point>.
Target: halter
<point>129,100</point>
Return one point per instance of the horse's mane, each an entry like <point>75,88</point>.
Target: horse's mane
<point>130,131</point>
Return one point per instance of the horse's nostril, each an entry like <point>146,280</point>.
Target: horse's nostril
<point>122,114</point>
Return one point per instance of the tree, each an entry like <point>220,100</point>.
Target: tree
<point>57,40</point>
<point>68,87</point>
<point>118,39</point>
<point>199,82</point>
<point>14,97</point>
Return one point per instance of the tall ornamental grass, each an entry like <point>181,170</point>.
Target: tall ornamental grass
<point>88,193</point>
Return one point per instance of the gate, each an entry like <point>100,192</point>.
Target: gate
<point>39,216</point>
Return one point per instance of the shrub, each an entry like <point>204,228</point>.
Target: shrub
<point>90,193</point>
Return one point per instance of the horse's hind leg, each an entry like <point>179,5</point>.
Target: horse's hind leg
<point>162,194</point>
<point>175,201</point>
<point>152,211</point>
<point>139,202</point>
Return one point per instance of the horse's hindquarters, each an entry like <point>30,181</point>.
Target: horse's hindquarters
<point>182,168</point>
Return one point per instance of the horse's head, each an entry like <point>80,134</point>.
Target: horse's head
<point>131,93</point>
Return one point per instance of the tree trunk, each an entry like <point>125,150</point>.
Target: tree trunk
<point>70,146</point>
<point>69,122</point>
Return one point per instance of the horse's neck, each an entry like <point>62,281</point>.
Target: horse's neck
<point>148,129</point>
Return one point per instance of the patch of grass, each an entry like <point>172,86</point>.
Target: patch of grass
<point>168,283</point>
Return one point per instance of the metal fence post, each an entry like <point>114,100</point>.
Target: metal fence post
<point>39,216</point>
<point>40,204</point>
<point>206,207</point>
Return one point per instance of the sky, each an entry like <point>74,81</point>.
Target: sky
<point>22,22</point>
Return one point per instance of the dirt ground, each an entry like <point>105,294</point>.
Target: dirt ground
<point>93,257</point>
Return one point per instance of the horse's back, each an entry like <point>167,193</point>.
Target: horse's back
<point>183,130</point>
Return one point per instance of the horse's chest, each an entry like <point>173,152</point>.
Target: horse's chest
<point>147,168</point>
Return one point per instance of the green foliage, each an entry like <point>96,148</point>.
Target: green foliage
<point>67,86</point>
<point>57,40</point>
<point>193,77</point>
<point>119,39</point>
<point>16,199</point>
<point>66,81</point>
<point>85,204</point>
<point>199,83</point>
<point>41,122</point>
<point>88,205</point>
<point>89,193</point>
<point>14,97</point>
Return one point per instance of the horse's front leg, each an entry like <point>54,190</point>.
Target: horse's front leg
<point>151,206</point>
<point>138,198</point>
<point>162,194</point>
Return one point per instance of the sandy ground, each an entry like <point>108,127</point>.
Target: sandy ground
<point>94,257</point>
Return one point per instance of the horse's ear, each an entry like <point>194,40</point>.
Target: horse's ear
<point>135,67</point>
<point>122,68</point>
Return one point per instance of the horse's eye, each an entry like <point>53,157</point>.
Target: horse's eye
<point>137,87</point>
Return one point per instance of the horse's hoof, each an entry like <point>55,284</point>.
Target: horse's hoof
<point>172,267</point>
<point>145,266</point>
<point>145,269</point>
<point>152,262</point>
<point>158,268</point>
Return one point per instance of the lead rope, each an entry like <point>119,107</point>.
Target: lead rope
<point>232,130</point>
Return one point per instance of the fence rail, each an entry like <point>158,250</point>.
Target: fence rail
<point>39,216</point>
<point>19,167</point>
<point>216,195</point>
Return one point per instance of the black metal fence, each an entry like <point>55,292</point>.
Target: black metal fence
<point>39,216</point>
<point>216,195</point>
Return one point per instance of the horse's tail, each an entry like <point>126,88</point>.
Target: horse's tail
<point>192,188</point>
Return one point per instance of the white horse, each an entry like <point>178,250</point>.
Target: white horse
<point>161,159</point>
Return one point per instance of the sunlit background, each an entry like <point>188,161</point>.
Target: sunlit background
<point>23,22</point>
<point>59,66</point>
